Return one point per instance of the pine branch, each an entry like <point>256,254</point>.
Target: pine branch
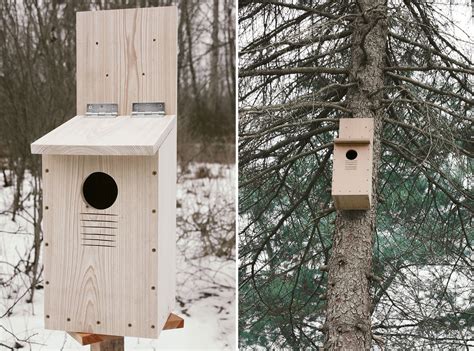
<point>295,105</point>
<point>294,6</point>
<point>280,165</point>
<point>430,50</point>
<point>429,68</point>
<point>428,103</point>
<point>292,70</point>
<point>431,88</point>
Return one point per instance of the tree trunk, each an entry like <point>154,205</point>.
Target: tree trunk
<point>214,74</point>
<point>350,265</point>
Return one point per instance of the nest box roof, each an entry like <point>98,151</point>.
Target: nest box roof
<point>123,135</point>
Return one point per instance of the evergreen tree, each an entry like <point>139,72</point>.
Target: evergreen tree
<point>399,274</point>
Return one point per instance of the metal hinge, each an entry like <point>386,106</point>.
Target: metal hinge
<point>148,109</point>
<point>102,110</point>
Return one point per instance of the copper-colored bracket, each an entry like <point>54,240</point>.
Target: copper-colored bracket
<point>89,338</point>
<point>106,341</point>
<point>174,322</point>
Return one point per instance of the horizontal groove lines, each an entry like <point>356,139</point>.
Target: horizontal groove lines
<point>98,229</point>
<point>350,165</point>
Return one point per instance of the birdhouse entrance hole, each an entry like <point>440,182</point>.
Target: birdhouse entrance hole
<point>100,190</point>
<point>351,154</point>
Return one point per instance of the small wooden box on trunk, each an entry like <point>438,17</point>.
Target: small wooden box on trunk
<point>109,180</point>
<point>352,166</point>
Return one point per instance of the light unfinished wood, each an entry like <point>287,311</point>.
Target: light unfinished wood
<point>166,250</point>
<point>351,141</point>
<point>173,322</point>
<point>122,135</point>
<point>101,289</point>
<point>88,338</point>
<point>123,281</point>
<point>126,56</point>
<point>352,179</point>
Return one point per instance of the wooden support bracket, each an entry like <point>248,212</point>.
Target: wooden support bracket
<point>89,338</point>
<point>174,322</point>
<point>101,342</point>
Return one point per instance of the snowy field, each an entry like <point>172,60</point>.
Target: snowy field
<point>205,281</point>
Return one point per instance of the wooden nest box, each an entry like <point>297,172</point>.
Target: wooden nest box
<point>109,180</point>
<point>352,166</point>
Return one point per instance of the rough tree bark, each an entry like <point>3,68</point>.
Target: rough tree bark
<point>350,265</point>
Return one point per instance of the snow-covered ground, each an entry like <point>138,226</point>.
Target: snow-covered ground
<point>205,280</point>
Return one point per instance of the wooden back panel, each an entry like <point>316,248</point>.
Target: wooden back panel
<point>126,56</point>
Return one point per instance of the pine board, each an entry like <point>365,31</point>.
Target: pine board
<point>122,135</point>
<point>127,56</point>
<point>102,290</point>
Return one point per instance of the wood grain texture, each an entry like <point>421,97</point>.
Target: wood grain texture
<point>126,56</point>
<point>352,179</point>
<point>102,289</point>
<point>109,345</point>
<point>123,281</point>
<point>167,228</point>
<point>122,135</point>
<point>174,322</point>
<point>88,338</point>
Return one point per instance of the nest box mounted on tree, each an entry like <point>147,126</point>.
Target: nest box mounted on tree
<point>352,167</point>
<point>109,180</point>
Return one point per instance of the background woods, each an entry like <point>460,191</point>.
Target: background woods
<point>400,276</point>
<point>37,93</point>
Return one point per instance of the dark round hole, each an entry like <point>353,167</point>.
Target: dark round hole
<point>351,154</point>
<point>100,190</point>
